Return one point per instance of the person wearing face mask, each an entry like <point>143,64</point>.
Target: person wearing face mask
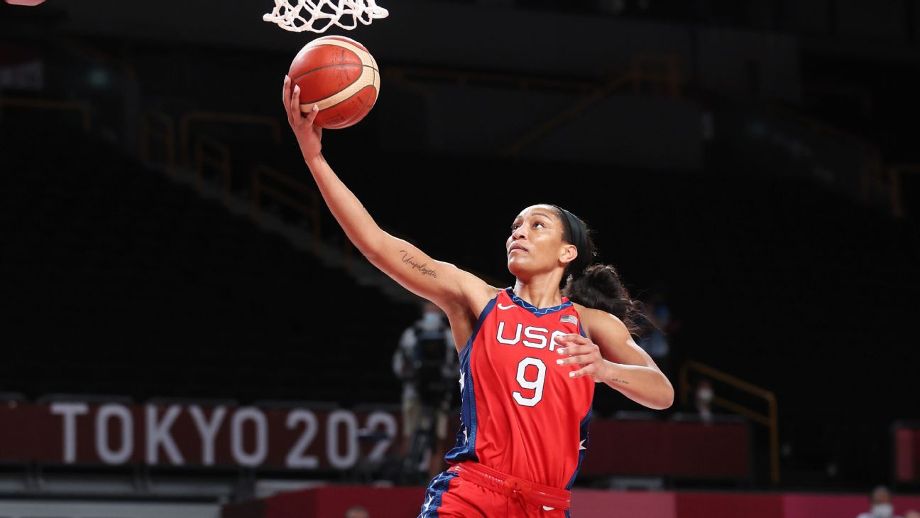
<point>703,400</point>
<point>426,363</point>
<point>356,511</point>
<point>881,507</point>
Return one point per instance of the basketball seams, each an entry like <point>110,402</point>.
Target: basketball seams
<point>369,75</point>
<point>344,39</point>
<point>359,99</point>
<point>365,56</point>
<point>324,67</point>
<point>358,92</point>
<point>367,78</point>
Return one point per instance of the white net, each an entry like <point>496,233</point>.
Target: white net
<point>319,15</point>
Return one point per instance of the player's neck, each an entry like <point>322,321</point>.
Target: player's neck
<point>540,291</point>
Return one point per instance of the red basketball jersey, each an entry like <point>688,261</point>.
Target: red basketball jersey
<point>521,413</point>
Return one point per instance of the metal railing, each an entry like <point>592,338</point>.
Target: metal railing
<point>871,172</point>
<point>159,126</point>
<point>269,183</point>
<point>895,175</point>
<point>213,154</point>
<point>658,73</point>
<point>192,118</point>
<point>769,419</point>
<point>204,153</point>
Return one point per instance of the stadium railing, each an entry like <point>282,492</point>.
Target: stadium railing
<point>769,419</point>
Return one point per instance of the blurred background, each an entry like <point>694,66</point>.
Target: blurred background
<point>186,331</point>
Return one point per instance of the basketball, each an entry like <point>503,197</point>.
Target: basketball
<point>340,76</point>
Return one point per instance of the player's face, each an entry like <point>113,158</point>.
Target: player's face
<point>535,244</point>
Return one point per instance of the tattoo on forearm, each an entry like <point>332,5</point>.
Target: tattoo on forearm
<point>421,267</point>
<point>618,380</point>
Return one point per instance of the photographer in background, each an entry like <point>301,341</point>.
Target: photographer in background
<point>426,362</point>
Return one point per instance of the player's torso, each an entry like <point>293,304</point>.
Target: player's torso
<point>522,414</point>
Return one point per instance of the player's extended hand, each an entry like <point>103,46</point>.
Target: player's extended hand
<point>578,350</point>
<point>309,136</point>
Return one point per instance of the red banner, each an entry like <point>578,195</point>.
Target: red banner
<point>669,448</point>
<point>907,452</point>
<point>193,435</point>
<point>320,438</point>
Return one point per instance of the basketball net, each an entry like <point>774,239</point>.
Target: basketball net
<point>319,15</point>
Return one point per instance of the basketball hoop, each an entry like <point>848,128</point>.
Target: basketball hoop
<point>319,15</point>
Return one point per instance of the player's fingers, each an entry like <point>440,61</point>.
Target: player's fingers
<point>288,106</point>
<point>580,359</point>
<point>286,91</point>
<point>572,339</point>
<point>314,111</point>
<point>286,99</point>
<point>587,370</point>
<point>577,349</point>
<point>294,107</point>
<point>292,104</point>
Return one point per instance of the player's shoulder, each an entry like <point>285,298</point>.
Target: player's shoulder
<point>483,295</point>
<point>476,291</point>
<point>597,320</point>
<point>476,299</point>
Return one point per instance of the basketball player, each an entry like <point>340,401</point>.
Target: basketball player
<point>529,356</point>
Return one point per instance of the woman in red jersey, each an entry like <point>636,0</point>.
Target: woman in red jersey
<point>529,356</point>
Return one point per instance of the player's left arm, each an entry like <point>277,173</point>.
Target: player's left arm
<point>611,356</point>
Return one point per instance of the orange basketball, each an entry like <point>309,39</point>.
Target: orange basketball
<point>339,75</point>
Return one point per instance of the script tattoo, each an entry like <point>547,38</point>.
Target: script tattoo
<point>421,267</point>
<point>621,382</point>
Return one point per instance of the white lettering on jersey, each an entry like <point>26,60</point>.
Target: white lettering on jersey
<point>503,340</point>
<point>529,333</point>
<point>535,337</point>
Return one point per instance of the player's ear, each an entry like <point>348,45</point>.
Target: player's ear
<point>567,253</point>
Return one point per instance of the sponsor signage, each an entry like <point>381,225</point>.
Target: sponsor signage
<point>291,437</point>
<point>193,435</point>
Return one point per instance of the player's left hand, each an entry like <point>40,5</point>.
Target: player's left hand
<point>309,136</point>
<point>577,350</point>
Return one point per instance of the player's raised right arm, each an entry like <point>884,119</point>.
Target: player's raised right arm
<point>440,282</point>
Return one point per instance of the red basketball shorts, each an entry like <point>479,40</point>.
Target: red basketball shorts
<point>471,490</point>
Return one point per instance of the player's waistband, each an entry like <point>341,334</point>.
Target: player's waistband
<point>512,486</point>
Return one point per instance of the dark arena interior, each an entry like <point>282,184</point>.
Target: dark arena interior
<point>188,332</point>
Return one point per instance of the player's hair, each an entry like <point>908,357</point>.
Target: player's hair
<point>595,286</point>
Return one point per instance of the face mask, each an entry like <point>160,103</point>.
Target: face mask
<point>704,395</point>
<point>882,511</point>
<point>430,321</point>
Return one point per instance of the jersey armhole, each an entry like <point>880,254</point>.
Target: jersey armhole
<point>482,317</point>
<point>582,329</point>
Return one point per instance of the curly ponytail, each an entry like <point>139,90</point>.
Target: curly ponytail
<point>599,287</point>
<point>596,286</point>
